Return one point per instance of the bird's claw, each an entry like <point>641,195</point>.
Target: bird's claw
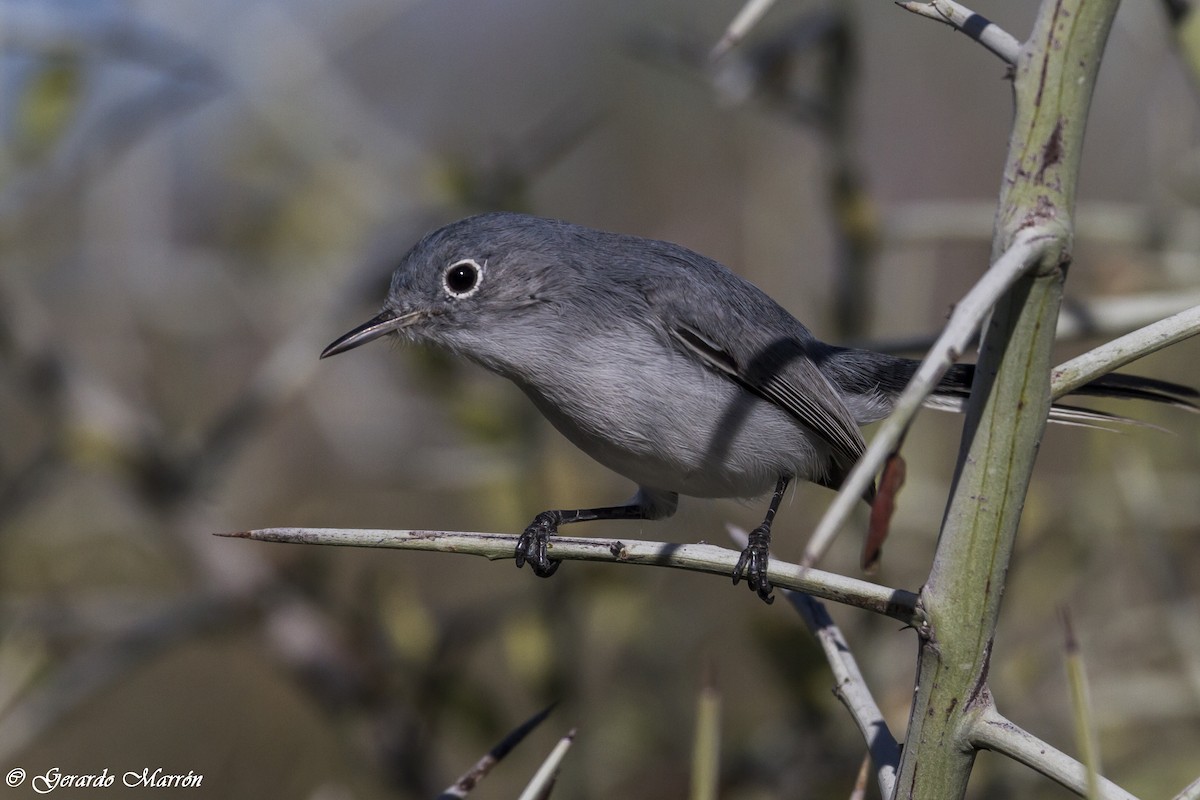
<point>533,545</point>
<point>753,563</point>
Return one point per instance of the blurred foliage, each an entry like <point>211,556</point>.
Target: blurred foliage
<point>46,107</point>
<point>197,196</point>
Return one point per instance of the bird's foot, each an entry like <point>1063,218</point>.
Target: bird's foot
<point>532,545</point>
<point>753,564</point>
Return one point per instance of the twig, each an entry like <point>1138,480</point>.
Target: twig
<point>895,603</point>
<point>850,686</point>
<point>852,690</point>
<point>471,778</point>
<point>543,780</point>
<point>1107,357</point>
<point>1190,792</point>
<point>746,19</point>
<point>992,731</point>
<point>1028,248</point>
<point>963,19</point>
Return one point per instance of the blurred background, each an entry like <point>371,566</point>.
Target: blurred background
<point>196,196</point>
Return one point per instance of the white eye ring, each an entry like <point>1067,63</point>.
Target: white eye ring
<point>462,278</point>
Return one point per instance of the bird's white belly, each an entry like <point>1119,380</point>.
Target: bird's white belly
<point>685,429</point>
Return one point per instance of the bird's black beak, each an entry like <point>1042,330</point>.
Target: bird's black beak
<point>380,325</point>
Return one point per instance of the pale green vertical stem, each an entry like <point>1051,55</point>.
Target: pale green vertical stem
<point>1053,85</point>
<point>706,747</point>
<point>1086,737</point>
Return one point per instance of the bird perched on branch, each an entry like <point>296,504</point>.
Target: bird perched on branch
<point>662,365</point>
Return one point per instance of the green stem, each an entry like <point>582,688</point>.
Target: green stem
<point>1010,400</point>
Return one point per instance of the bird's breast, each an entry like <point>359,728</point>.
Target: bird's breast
<point>658,416</point>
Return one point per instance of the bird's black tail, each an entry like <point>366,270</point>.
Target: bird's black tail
<point>867,374</point>
<point>957,384</point>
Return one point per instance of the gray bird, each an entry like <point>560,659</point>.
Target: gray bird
<point>661,364</point>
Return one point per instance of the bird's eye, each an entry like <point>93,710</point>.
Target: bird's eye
<point>461,279</point>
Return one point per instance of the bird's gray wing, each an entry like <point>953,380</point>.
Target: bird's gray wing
<point>782,373</point>
<point>733,328</point>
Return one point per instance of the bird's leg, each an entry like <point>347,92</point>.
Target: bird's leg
<point>532,544</point>
<point>754,558</point>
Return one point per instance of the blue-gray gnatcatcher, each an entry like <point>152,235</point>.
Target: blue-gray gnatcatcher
<point>659,363</point>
